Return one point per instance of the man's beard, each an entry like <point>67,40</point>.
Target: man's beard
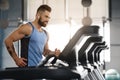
<point>41,23</point>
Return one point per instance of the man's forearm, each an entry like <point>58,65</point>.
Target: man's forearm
<point>11,49</point>
<point>47,52</point>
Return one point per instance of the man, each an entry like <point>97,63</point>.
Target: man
<point>34,40</point>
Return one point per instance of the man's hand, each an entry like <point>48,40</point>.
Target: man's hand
<point>57,52</point>
<point>21,62</point>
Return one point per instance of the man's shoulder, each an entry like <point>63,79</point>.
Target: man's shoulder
<point>25,29</point>
<point>46,32</point>
<point>25,26</point>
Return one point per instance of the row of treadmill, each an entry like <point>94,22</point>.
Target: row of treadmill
<point>79,60</point>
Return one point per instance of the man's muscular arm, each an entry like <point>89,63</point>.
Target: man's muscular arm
<point>15,36</point>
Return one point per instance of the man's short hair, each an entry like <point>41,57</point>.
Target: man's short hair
<point>44,8</point>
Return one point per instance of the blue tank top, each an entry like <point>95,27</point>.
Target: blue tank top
<point>32,46</point>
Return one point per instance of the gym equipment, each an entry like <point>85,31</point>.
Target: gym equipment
<point>67,66</point>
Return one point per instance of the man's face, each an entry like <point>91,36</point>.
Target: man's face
<point>44,18</point>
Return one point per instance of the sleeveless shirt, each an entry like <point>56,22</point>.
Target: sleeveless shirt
<point>32,46</point>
